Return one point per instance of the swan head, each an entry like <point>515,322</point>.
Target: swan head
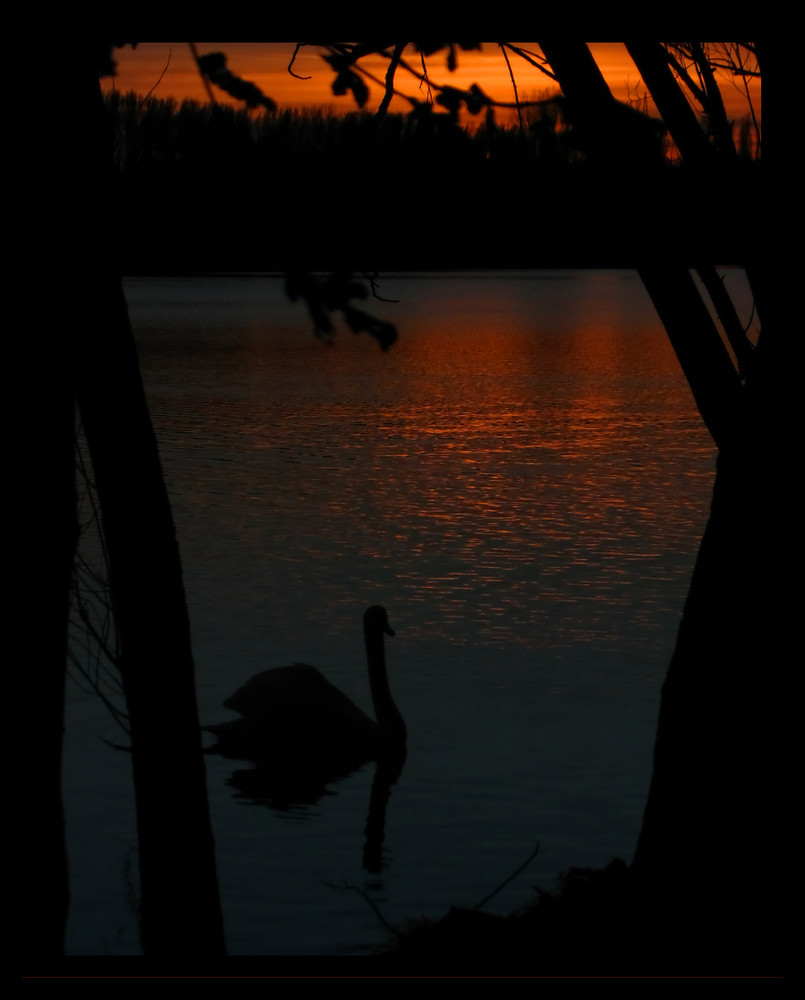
<point>376,619</point>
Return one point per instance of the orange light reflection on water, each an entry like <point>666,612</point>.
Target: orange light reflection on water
<point>473,469</point>
<point>526,450</point>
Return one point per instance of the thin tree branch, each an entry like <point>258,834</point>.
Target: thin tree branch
<point>510,878</point>
<point>299,45</point>
<point>204,80</point>
<point>394,62</point>
<point>725,309</point>
<point>514,83</point>
<point>161,75</point>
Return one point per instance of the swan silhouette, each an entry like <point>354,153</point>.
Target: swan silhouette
<point>296,713</point>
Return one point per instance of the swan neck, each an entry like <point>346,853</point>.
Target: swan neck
<point>387,714</point>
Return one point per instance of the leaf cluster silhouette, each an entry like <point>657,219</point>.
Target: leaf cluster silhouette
<point>214,67</point>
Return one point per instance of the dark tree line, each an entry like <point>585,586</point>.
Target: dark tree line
<point>217,188</point>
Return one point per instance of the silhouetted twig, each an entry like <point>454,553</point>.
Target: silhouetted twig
<point>375,909</point>
<point>513,875</point>
<point>161,75</point>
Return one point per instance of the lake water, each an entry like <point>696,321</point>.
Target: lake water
<point>522,480</point>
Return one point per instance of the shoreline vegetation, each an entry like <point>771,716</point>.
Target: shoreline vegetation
<point>210,188</point>
<point>593,925</point>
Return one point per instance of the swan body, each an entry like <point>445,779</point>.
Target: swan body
<point>295,710</point>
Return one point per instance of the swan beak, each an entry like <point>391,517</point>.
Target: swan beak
<point>388,629</point>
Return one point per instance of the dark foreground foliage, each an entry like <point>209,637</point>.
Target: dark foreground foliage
<point>594,925</point>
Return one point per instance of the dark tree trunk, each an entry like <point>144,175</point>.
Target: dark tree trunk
<point>42,523</point>
<point>45,521</point>
<point>180,907</point>
<point>713,825</point>
<point>713,821</point>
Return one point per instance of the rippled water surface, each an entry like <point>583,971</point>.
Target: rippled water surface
<point>522,480</point>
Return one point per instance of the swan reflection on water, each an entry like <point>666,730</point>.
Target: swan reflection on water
<point>303,734</point>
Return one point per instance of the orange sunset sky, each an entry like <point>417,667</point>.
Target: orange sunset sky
<point>266,64</point>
